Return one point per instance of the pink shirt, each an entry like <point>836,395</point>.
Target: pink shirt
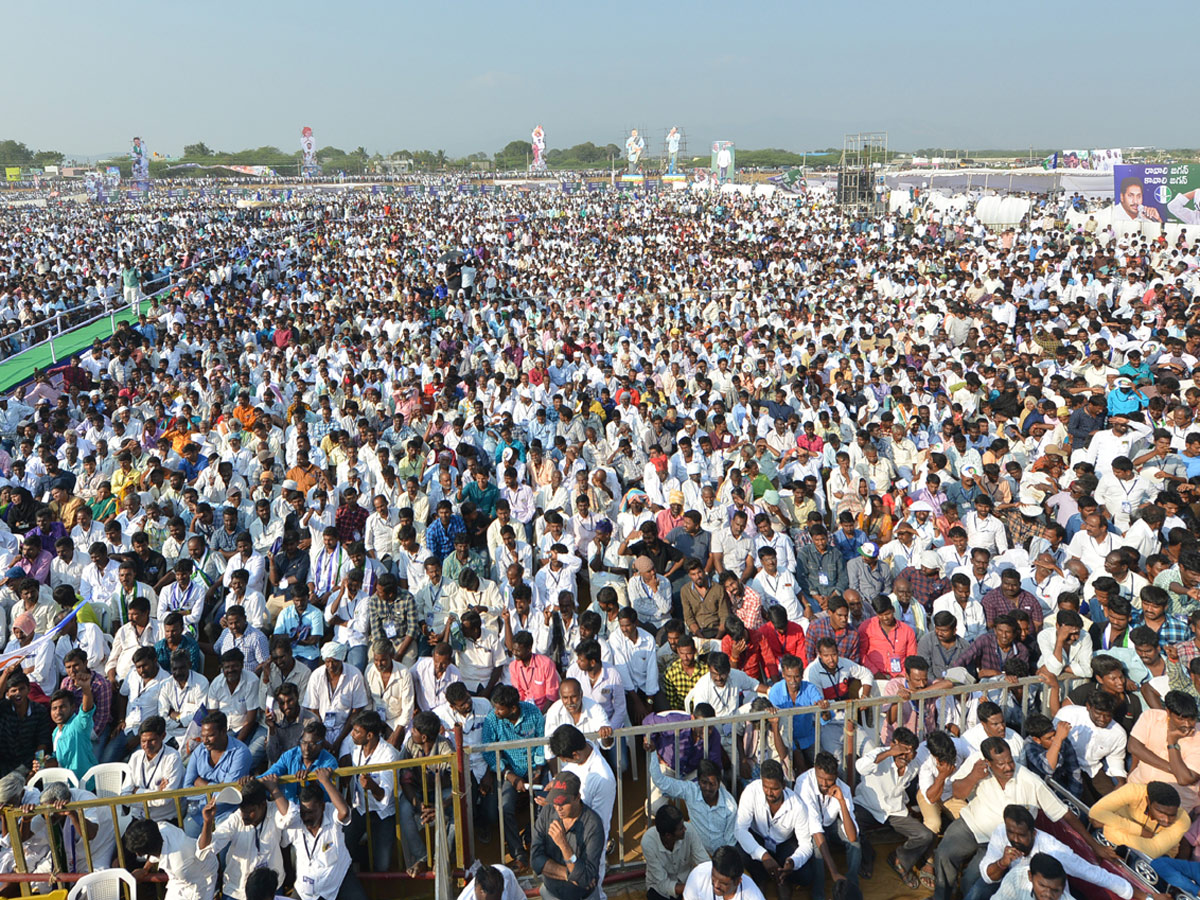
<point>884,653</point>
<point>536,681</point>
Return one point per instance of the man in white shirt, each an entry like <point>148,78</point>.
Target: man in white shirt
<point>1099,743</point>
<point>154,767</point>
<point>634,654</point>
<point>1065,647</point>
<point>250,839</point>
<point>188,876</point>
<point>461,709</point>
<point>992,782</point>
<point>1093,543</point>
<point>137,700</point>
<point>776,585</point>
<point>1122,492</point>
<point>495,882</point>
<point>722,879</point>
<point>481,658</point>
<point>237,695</point>
<point>315,827</point>
<point>138,632</point>
<point>1014,843</point>
<point>774,830</point>
<point>373,794</point>
<point>573,708</point>
<point>433,674</point>
<point>724,688</point>
<point>181,697</point>
<point>390,686</point>
<point>984,529</point>
<point>830,809</point>
<point>598,681</point>
<point>336,693</point>
<point>886,773</point>
<point>1044,878</point>
<point>671,849</point>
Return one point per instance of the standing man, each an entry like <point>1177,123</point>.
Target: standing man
<point>635,145</point>
<point>673,138</point>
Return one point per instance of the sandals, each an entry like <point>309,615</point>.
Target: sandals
<point>909,877</point>
<point>926,877</point>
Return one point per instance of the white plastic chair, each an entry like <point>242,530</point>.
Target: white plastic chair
<point>109,779</point>
<point>54,775</point>
<point>104,885</point>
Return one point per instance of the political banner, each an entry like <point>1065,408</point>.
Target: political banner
<point>256,171</point>
<point>12,173</point>
<point>1157,193</point>
<point>308,153</point>
<point>140,159</point>
<point>1091,160</point>
<point>723,161</point>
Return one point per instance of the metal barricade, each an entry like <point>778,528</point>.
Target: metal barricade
<point>439,764</point>
<point>861,717</point>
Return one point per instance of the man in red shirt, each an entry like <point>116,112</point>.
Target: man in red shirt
<point>885,643</point>
<point>532,674</point>
<point>743,647</point>
<point>778,637</point>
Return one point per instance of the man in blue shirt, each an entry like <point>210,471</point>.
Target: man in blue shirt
<point>1125,398</point>
<point>1136,369</point>
<point>220,759</point>
<point>303,624</point>
<point>193,463</point>
<point>72,735</point>
<point>439,536</point>
<point>304,759</point>
<point>512,719</point>
<point>847,540</point>
<point>792,691</point>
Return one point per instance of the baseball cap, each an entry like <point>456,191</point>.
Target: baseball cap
<point>565,787</point>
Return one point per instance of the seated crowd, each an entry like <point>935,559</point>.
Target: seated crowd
<point>263,577</point>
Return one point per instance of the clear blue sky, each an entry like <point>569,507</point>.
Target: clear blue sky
<point>466,76</point>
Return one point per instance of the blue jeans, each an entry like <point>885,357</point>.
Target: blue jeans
<point>115,750</point>
<point>257,745</point>
<point>357,657</point>
<point>383,839</point>
<point>193,820</point>
<point>816,865</point>
<point>1182,873</point>
<point>981,890</point>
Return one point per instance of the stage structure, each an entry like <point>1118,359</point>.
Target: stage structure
<point>864,156</point>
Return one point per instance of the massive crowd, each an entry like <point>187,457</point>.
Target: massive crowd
<point>535,467</point>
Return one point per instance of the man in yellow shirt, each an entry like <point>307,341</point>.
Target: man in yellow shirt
<point>1145,817</point>
<point>125,479</point>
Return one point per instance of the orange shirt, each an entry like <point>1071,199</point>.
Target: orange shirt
<point>247,415</point>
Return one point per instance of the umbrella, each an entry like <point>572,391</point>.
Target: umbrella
<point>451,256</point>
